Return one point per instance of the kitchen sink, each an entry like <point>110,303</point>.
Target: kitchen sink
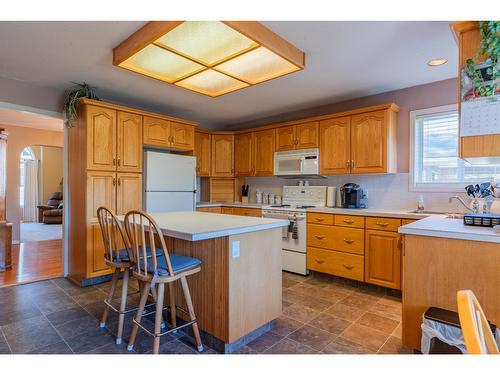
<point>448,215</point>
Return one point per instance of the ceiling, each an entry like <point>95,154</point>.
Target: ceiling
<point>344,60</point>
<point>30,120</point>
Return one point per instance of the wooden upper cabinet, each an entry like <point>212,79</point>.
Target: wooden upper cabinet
<point>128,192</point>
<point>369,138</point>
<point>383,258</point>
<point>101,138</point>
<point>285,138</point>
<point>335,145</point>
<point>156,131</point>
<point>244,154</point>
<point>181,136</point>
<point>101,191</point>
<point>202,151</point>
<point>129,142</point>
<point>222,155</point>
<point>264,152</point>
<point>306,135</point>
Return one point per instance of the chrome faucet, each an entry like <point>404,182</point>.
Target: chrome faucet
<point>475,203</point>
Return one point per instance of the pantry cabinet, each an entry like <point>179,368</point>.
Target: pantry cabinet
<point>159,132</point>
<point>264,152</point>
<point>244,156</point>
<point>295,137</point>
<point>202,151</point>
<point>222,155</point>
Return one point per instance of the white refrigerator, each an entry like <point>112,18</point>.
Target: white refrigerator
<point>170,182</point>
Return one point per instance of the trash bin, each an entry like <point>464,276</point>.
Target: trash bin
<point>441,332</point>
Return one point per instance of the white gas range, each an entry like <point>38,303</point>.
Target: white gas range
<point>296,199</point>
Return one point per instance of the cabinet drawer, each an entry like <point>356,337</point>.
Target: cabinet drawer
<point>320,218</point>
<point>349,221</point>
<point>214,210</point>
<point>336,238</point>
<point>383,223</point>
<point>407,221</point>
<point>336,263</point>
<point>227,210</point>
<point>247,211</point>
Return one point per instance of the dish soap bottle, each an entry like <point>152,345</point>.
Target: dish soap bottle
<point>420,204</point>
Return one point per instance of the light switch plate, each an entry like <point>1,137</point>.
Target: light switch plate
<point>235,249</point>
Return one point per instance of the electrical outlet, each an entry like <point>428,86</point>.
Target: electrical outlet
<point>236,249</point>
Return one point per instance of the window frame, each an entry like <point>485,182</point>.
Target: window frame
<point>430,187</point>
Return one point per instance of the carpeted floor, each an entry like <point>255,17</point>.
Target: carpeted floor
<point>40,232</point>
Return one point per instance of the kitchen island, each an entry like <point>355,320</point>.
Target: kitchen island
<point>440,257</point>
<point>237,293</point>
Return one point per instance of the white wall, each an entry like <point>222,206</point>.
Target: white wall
<point>385,191</point>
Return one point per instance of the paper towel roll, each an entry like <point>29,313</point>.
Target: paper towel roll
<point>330,196</point>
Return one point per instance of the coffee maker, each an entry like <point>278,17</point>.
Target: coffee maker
<point>352,196</point>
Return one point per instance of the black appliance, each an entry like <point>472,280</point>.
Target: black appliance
<point>352,196</point>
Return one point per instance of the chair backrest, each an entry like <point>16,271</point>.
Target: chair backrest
<point>144,233</point>
<point>475,328</point>
<point>113,235</point>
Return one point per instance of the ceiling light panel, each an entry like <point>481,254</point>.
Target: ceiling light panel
<point>212,83</point>
<point>158,63</point>
<point>257,66</point>
<point>208,42</point>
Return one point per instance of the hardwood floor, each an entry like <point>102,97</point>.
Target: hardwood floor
<point>34,261</point>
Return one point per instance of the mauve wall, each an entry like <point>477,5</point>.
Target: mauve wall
<point>424,96</point>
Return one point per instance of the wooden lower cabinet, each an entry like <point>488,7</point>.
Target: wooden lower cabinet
<point>227,210</point>
<point>244,211</point>
<point>337,263</point>
<point>214,210</point>
<point>349,240</point>
<point>96,266</point>
<point>383,258</point>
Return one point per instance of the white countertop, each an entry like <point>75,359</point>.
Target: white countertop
<point>441,226</point>
<point>403,214</point>
<point>228,204</point>
<point>196,226</point>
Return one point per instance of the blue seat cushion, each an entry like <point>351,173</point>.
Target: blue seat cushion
<point>123,254</point>
<point>179,264</point>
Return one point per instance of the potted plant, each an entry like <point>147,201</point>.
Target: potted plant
<point>71,98</point>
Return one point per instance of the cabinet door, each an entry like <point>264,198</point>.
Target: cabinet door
<point>335,145</point>
<point>285,138</point>
<point>369,142</point>
<point>243,154</point>
<point>264,152</point>
<point>156,132</point>
<point>202,152</point>
<point>306,135</point>
<point>227,210</point>
<point>96,266</point>
<point>383,258</point>
<point>128,192</point>
<point>222,155</point>
<point>181,136</point>
<point>101,191</point>
<point>101,138</point>
<point>129,142</point>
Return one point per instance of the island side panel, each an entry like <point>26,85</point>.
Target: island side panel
<point>254,281</point>
<point>209,287</point>
<point>434,269</point>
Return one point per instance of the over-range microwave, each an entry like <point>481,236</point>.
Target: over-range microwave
<point>296,162</point>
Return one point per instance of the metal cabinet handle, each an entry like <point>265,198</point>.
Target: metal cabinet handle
<point>118,161</point>
<point>114,181</point>
<point>348,266</point>
<point>320,219</point>
<point>352,164</point>
<point>319,237</point>
<point>319,261</point>
<point>349,241</point>
<point>114,161</point>
<point>347,164</point>
<point>383,224</point>
<point>348,221</point>
<point>119,181</point>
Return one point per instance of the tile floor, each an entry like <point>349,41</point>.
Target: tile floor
<point>320,315</point>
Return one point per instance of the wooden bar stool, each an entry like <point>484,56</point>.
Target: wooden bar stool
<point>142,229</point>
<point>118,256</point>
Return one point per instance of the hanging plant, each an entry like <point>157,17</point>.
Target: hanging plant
<point>71,98</point>
<point>487,84</point>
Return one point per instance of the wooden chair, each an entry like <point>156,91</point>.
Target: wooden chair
<point>142,229</point>
<point>475,327</point>
<point>118,256</point>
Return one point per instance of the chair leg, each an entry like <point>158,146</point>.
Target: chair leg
<point>110,298</point>
<point>154,293</point>
<point>189,303</point>
<point>138,315</point>
<point>173,312</point>
<point>123,304</point>
<point>158,317</point>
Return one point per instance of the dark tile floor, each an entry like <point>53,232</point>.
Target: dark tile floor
<point>320,315</point>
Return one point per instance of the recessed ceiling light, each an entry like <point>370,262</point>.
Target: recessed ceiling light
<point>210,57</point>
<point>437,62</point>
